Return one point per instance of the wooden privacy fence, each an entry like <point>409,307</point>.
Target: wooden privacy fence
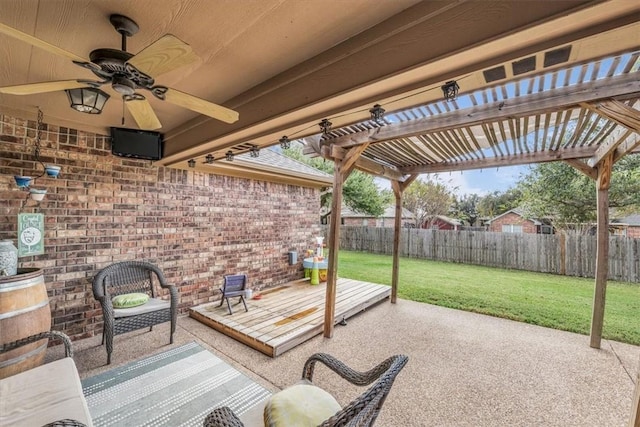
<point>570,255</point>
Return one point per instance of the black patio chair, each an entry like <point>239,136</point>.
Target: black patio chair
<point>361,412</point>
<point>234,286</point>
<point>129,277</point>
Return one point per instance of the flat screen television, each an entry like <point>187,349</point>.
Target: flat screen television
<point>135,143</point>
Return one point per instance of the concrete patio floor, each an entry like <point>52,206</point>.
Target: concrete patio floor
<point>464,369</point>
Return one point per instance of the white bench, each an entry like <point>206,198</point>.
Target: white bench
<point>45,394</point>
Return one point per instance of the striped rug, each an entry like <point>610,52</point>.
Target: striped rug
<point>178,387</point>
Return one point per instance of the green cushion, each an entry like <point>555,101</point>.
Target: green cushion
<point>301,405</point>
<point>129,300</point>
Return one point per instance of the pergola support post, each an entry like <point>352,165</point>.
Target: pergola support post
<point>342,168</point>
<point>634,421</point>
<point>398,189</point>
<point>602,254</point>
<point>334,244</point>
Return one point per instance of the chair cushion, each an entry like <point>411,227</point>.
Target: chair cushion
<point>129,300</point>
<point>300,405</point>
<point>42,395</point>
<point>154,304</point>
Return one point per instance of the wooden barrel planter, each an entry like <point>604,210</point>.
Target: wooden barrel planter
<point>24,311</point>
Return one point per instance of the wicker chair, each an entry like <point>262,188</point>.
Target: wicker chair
<point>361,412</point>
<point>234,286</point>
<point>127,277</point>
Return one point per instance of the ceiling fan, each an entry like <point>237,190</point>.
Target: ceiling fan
<point>127,73</point>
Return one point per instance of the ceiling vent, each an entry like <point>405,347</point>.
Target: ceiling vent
<point>524,65</point>
<point>494,74</point>
<point>557,56</point>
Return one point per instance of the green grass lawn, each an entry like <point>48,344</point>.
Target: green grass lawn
<point>549,300</point>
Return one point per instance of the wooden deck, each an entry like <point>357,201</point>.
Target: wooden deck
<point>289,314</point>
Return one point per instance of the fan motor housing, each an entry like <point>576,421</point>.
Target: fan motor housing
<point>111,61</point>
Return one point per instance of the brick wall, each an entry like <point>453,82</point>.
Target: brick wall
<point>513,219</point>
<point>103,209</point>
<point>358,221</point>
<point>633,231</point>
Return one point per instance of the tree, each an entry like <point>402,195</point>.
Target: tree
<point>499,202</point>
<point>465,208</point>
<point>426,199</point>
<point>360,192</point>
<point>558,191</point>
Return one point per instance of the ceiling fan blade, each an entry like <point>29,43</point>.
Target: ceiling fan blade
<point>34,41</point>
<point>165,54</point>
<point>143,114</point>
<point>32,88</point>
<point>201,106</point>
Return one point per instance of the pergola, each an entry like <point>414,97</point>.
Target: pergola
<point>587,115</point>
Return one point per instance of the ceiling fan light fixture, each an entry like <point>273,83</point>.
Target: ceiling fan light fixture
<point>88,100</point>
<point>123,85</point>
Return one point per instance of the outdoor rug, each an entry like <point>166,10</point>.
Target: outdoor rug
<point>178,387</point>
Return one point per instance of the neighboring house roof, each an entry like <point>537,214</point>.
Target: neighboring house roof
<point>389,212</point>
<point>632,220</point>
<point>519,212</point>
<point>272,166</point>
<point>447,219</point>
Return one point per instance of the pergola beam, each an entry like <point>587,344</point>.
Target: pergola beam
<point>352,158</point>
<point>626,85</point>
<point>520,159</point>
<point>618,112</point>
<point>631,145</point>
<point>607,148</point>
<point>337,153</point>
<point>583,168</point>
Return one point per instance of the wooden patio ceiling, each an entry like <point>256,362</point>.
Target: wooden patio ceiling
<point>582,112</point>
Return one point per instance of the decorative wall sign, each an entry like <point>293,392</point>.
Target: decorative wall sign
<point>30,234</point>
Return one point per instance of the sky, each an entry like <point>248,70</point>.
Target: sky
<point>481,181</point>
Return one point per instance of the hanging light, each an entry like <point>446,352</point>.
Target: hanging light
<point>209,159</point>
<point>450,90</point>
<point>192,163</point>
<point>254,151</point>
<point>325,126</point>
<point>229,156</point>
<point>377,113</point>
<point>285,143</point>
<point>88,100</point>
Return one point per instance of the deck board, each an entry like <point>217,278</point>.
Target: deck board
<point>289,314</point>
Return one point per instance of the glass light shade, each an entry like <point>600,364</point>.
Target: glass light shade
<point>88,100</point>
